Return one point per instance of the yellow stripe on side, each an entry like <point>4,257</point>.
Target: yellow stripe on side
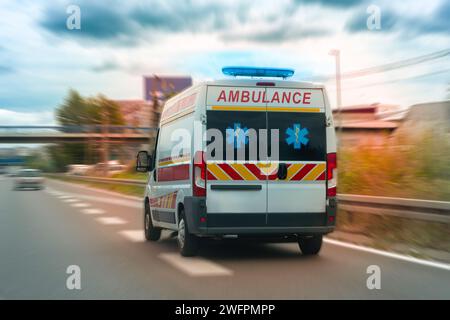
<point>293,109</point>
<point>293,169</point>
<point>238,108</point>
<point>262,108</point>
<point>243,171</point>
<point>165,163</point>
<point>315,172</point>
<point>217,172</point>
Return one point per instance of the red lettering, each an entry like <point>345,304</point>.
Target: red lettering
<point>222,96</point>
<point>275,97</point>
<point>233,97</point>
<point>245,96</point>
<point>307,95</point>
<point>264,98</point>
<point>256,100</point>
<point>297,101</point>
<point>286,97</point>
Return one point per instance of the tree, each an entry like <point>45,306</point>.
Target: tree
<point>77,110</point>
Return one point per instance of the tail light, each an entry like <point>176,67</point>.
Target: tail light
<point>331,174</point>
<point>199,175</point>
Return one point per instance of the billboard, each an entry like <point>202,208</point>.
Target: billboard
<point>164,86</point>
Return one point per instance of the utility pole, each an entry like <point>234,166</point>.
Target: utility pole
<point>156,107</point>
<point>337,54</point>
<point>105,147</point>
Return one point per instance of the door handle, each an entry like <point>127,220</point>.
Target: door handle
<point>282,171</point>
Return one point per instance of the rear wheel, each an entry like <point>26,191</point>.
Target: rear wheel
<point>151,233</point>
<point>310,245</point>
<point>187,242</point>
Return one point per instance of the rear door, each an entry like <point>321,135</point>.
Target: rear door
<point>236,189</point>
<point>297,183</point>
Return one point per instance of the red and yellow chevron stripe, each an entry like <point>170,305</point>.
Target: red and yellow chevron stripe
<point>264,171</point>
<point>167,201</point>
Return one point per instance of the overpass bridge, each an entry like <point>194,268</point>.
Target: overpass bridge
<point>76,134</point>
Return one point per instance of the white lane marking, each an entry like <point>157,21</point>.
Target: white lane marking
<point>427,263</point>
<point>80,205</point>
<point>92,211</point>
<point>70,200</point>
<point>133,235</point>
<point>195,267</point>
<point>111,220</point>
<point>64,197</point>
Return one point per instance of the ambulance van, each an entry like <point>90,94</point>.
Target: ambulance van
<point>251,156</point>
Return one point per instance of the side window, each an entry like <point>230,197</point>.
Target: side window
<point>174,141</point>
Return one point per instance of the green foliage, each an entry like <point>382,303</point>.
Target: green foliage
<point>417,169</point>
<point>77,110</point>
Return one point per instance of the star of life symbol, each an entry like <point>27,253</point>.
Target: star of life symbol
<point>297,136</point>
<point>237,135</point>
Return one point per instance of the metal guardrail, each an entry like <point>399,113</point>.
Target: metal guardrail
<point>427,210</point>
<point>131,182</point>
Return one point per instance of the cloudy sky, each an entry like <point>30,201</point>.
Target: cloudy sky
<point>120,41</point>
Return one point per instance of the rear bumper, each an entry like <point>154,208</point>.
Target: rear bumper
<point>201,222</point>
<point>28,184</point>
<point>266,230</point>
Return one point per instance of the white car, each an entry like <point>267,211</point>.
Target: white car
<point>243,158</point>
<point>29,179</point>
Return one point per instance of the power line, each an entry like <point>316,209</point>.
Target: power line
<point>396,65</point>
<point>397,80</point>
<point>390,66</point>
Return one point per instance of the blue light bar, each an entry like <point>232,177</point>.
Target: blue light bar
<point>258,72</point>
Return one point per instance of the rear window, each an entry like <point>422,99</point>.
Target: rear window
<point>29,173</point>
<point>229,122</point>
<point>301,135</point>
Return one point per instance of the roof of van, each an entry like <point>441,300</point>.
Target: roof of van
<point>253,81</point>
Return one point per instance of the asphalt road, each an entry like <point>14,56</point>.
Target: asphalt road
<point>43,232</point>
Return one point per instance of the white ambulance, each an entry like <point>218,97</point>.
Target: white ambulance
<point>249,156</point>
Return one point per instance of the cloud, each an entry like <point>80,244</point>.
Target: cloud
<point>332,3</point>
<point>278,34</point>
<point>438,22</point>
<point>434,23</point>
<point>98,22</point>
<point>358,21</point>
<point>182,16</point>
<point>126,24</point>
<point>106,66</point>
<point>9,117</point>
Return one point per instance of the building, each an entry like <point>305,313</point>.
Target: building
<point>430,117</point>
<point>366,124</point>
<point>146,112</point>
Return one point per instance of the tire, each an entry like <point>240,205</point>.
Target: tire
<point>151,233</point>
<point>187,242</point>
<point>310,245</point>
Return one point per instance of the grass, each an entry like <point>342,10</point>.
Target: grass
<point>389,231</point>
<point>130,175</point>
<point>125,189</point>
<point>419,169</point>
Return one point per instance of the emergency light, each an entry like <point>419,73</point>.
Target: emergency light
<point>258,72</point>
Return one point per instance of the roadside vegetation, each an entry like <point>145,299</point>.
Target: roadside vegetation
<point>408,168</point>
